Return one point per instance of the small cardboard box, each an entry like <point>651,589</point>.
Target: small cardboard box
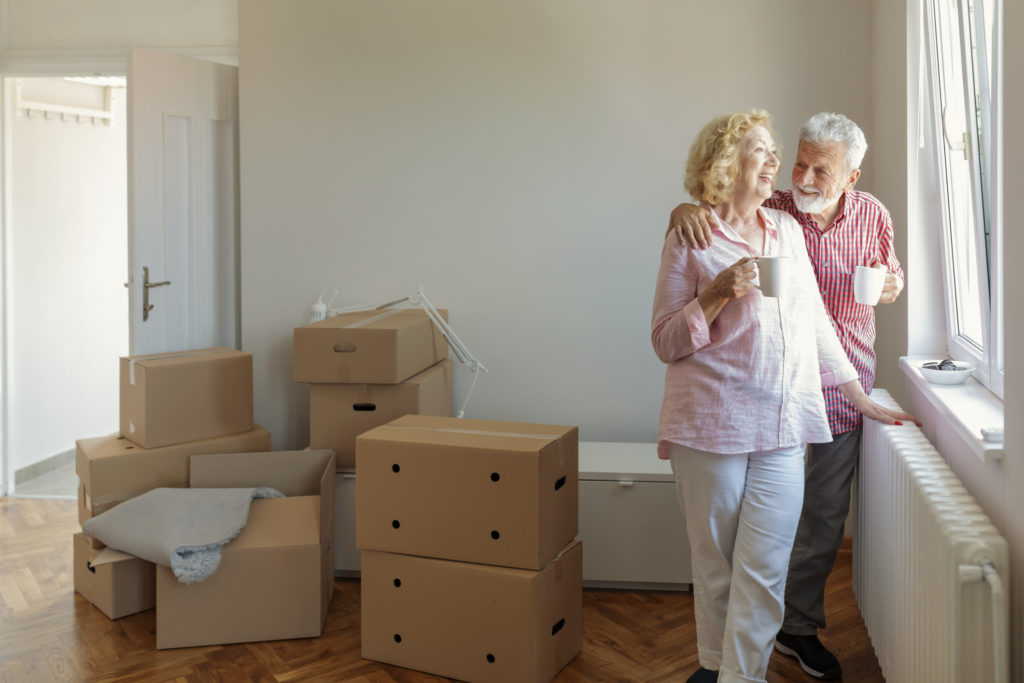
<point>369,347</point>
<point>276,578</point>
<point>111,469</point>
<point>169,398</point>
<point>338,413</point>
<point>117,583</point>
<point>503,493</point>
<point>470,621</point>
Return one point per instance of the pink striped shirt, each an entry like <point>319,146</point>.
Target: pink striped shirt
<point>861,232</point>
<point>752,380</point>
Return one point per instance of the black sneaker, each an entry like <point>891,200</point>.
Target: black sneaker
<point>703,675</point>
<point>815,660</point>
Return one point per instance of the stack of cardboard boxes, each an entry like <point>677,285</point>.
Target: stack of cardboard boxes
<point>469,567</point>
<point>172,406</point>
<point>367,368</point>
<point>186,420</point>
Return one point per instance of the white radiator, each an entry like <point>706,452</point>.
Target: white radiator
<point>927,564</point>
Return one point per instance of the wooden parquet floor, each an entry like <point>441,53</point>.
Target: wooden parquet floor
<point>49,633</point>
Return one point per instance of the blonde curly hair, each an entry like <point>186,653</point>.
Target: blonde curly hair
<point>714,160</point>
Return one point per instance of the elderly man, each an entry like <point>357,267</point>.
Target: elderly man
<point>843,228</point>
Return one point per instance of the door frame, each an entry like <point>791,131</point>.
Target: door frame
<point>43,64</point>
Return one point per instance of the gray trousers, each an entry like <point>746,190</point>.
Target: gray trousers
<point>829,474</point>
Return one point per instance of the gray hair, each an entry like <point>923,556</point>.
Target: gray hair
<point>826,128</point>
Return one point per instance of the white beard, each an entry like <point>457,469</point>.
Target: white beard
<point>815,204</point>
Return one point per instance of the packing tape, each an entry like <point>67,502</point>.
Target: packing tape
<point>375,318</point>
<point>481,432</point>
<point>162,356</point>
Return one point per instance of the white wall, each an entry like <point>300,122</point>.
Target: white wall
<point>68,240</point>
<point>96,24</point>
<point>517,159</point>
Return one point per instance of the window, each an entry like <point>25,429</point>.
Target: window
<point>964,60</point>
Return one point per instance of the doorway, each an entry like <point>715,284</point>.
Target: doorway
<point>66,247</point>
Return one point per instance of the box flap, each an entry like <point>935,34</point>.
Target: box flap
<point>293,473</point>
<point>280,522</point>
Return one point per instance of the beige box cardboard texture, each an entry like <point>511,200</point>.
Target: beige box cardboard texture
<point>503,493</point>
<point>372,347</point>
<point>119,587</point>
<point>473,622</point>
<point>111,469</point>
<point>184,396</point>
<point>338,413</point>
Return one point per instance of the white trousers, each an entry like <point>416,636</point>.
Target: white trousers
<point>741,514</point>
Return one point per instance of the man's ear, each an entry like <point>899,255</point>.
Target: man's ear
<point>852,179</point>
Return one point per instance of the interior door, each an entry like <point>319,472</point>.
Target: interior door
<point>182,203</point>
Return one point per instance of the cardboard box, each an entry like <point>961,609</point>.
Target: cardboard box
<point>276,578</point>
<point>111,469</point>
<point>338,413</point>
<point>370,347</point>
<point>116,583</point>
<point>472,622</point>
<point>503,493</point>
<point>169,398</point>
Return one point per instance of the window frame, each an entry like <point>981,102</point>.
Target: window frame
<point>985,179</point>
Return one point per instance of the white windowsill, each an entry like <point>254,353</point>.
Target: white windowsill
<point>968,407</point>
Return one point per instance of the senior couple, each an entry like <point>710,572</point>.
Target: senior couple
<point>751,380</point>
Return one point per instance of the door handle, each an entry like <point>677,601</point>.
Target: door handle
<point>146,285</point>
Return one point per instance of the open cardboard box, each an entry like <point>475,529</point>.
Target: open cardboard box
<point>276,578</point>
<point>503,493</point>
<point>473,622</point>
<point>111,469</point>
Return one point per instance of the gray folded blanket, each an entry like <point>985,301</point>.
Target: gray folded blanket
<point>183,529</point>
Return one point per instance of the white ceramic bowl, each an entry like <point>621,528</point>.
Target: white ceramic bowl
<point>958,376</point>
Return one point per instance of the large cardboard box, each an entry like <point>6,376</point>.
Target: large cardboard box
<point>111,469</point>
<point>276,578</point>
<point>470,621</point>
<point>116,583</point>
<point>371,347</point>
<point>169,398</point>
<point>503,493</point>
<point>338,413</point>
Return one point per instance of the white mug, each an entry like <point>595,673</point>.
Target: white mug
<point>772,274</point>
<point>867,284</point>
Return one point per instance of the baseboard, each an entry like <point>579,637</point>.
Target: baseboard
<point>38,469</point>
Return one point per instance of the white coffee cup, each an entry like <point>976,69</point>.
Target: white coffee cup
<point>867,284</point>
<point>772,274</point>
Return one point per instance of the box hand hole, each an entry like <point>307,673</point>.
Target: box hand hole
<point>560,483</point>
<point>558,626</point>
<point>364,407</point>
<point>344,347</point>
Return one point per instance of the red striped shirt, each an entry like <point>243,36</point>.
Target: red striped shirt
<point>860,234</point>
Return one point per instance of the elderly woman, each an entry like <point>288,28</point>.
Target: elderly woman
<point>742,394</point>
